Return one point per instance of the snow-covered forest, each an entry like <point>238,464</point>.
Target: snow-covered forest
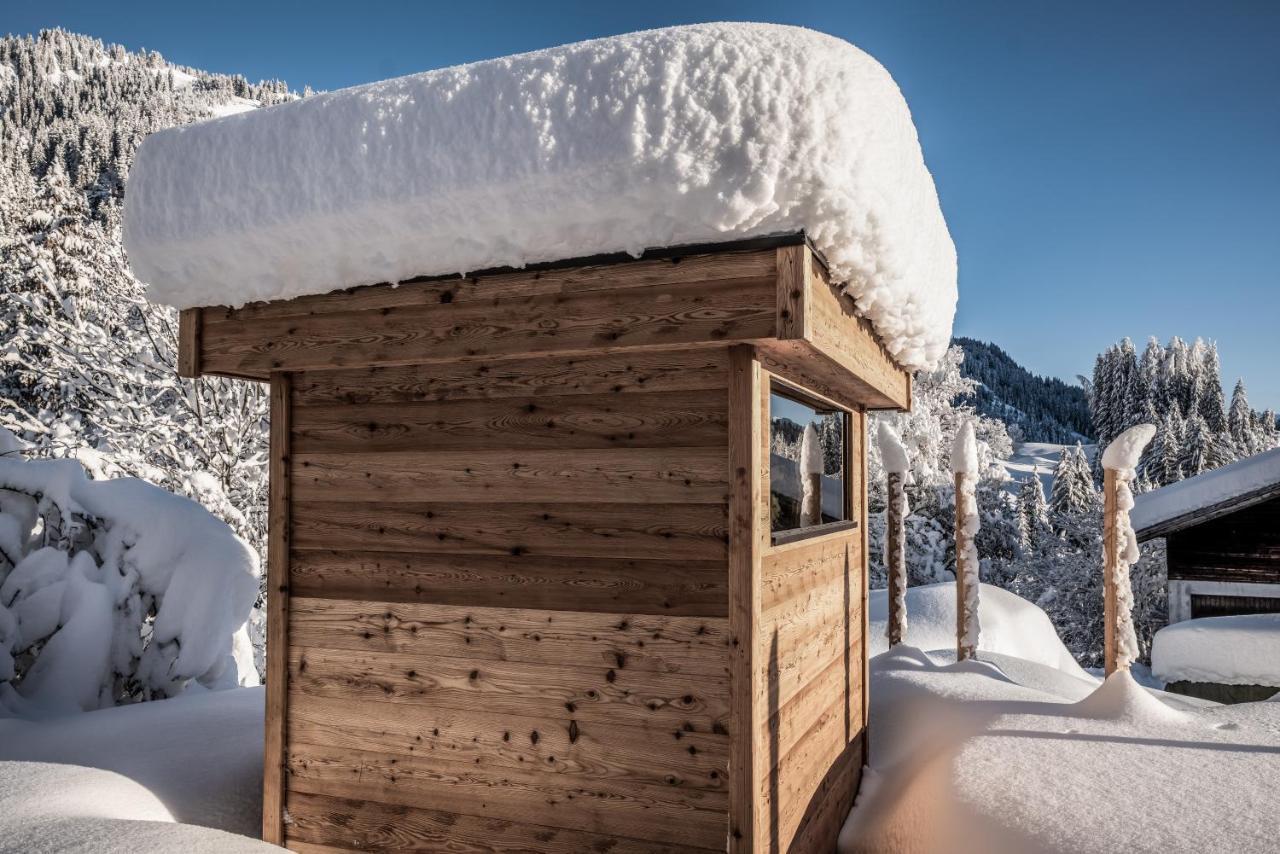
<point>1035,408</point>
<point>88,361</point>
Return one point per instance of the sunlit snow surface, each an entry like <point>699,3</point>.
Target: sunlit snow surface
<point>1006,754</point>
<point>686,135</point>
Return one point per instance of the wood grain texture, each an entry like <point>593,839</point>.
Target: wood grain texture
<point>555,476</point>
<point>664,532</point>
<point>693,645</point>
<point>658,813</point>
<point>602,694</point>
<point>748,419</point>
<point>505,325</point>
<point>278,540</point>
<point>566,748</point>
<point>524,379</point>
<point>565,282</point>
<point>794,278</point>
<point>539,422</point>
<point>1243,545</point>
<point>677,587</point>
<point>370,826</point>
<point>189,341</point>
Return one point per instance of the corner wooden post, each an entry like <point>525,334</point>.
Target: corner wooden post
<point>274,758</point>
<point>189,323</point>
<point>1110,559</point>
<point>966,553</point>
<point>895,552</point>
<point>748,410</point>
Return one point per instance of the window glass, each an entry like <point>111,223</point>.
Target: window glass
<point>806,463</point>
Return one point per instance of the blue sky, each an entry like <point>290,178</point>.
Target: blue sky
<point>1107,169</point>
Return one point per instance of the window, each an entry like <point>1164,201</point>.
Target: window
<point>807,466</point>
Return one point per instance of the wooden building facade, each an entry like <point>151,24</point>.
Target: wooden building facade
<point>1222,532</point>
<point>524,591</point>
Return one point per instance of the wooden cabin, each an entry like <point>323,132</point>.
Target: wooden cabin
<point>529,586</point>
<point>1222,529</point>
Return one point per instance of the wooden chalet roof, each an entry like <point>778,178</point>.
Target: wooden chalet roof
<point>1207,496</point>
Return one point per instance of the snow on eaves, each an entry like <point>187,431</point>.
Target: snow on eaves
<point>688,135</point>
<point>1241,649</point>
<point>1200,498</point>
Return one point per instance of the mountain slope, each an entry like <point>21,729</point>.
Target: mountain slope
<point>1045,409</point>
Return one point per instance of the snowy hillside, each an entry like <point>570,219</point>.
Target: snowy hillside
<point>88,363</point>
<point>1042,409</point>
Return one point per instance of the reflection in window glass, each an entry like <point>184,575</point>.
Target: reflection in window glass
<point>806,464</point>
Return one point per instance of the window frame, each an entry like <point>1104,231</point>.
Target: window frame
<point>783,388</point>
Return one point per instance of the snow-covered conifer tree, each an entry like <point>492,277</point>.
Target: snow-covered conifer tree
<point>1240,421</point>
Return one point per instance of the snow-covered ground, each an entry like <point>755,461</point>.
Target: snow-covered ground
<point>1029,457</point>
<point>1013,754</point>
<point>169,775</point>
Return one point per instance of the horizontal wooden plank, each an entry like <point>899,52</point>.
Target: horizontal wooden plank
<point>519,688</point>
<point>564,747</point>
<point>372,826</point>
<point>662,814</point>
<point>618,475</point>
<point>643,372</point>
<point>838,686</point>
<point>656,316</point>
<point>818,823</point>
<point>485,288</point>
<point>557,422</point>
<point>655,531</point>
<point>612,641</point>
<point>796,569</point>
<point>601,585</point>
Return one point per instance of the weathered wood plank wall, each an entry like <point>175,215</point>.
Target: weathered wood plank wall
<point>1241,546</point>
<point>509,612</point>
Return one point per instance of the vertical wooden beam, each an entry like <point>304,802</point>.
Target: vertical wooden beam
<point>895,554</point>
<point>278,522</point>
<point>1110,557</point>
<point>964,558</point>
<point>794,288</point>
<point>190,321</point>
<point>860,421</point>
<point>748,411</point>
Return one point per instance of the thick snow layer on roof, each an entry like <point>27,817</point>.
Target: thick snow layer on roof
<point>1236,650</point>
<point>686,135</point>
<point>969,757</point>
<point>1219,486</point>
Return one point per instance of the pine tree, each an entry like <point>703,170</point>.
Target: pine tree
<point>1197,447</point>
<point>1171,439</point>
<point>1240,421</point>
<point>1072,482</point>
<point>1212,407</point>
<point>1033,513</point>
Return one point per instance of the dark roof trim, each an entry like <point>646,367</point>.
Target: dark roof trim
<point>1200,515</point>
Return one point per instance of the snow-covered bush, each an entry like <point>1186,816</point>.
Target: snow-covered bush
<point>113,591</point>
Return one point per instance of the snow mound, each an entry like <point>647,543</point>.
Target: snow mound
<point>685,135</point>
<point>1011,626</point>
<point>1126,449</point>
<point>1235,650</point>
<point>113,590</point>
<point>893,454</point>
<point>965,752</point>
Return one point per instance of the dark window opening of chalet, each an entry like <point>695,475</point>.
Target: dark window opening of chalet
<point>1228,606</point>
<point>807,466</point>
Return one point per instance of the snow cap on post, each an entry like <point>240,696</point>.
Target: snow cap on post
<point>1126,449</point>
<point>811,452</point>
<point>688,135</point>
<point>893,454</point>
<point>964,450</point>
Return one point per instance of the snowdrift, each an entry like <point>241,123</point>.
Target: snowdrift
<point>84,566</point>
<point>963,752</point>
<point>1011,626</point>
<point>1236,650</point>
<point>669,137</point>
<point>136,778</point>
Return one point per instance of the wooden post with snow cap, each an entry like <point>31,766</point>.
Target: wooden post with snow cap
<point>964,465</point>
<point>811,468</point>
<point>893,455</point>
<point>1120,545</point>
